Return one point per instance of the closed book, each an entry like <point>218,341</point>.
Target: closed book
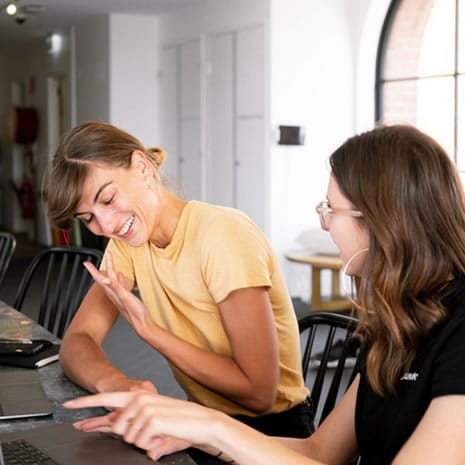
<point>47,354</point>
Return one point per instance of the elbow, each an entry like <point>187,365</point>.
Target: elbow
<point>65,354</point>
<point>71,348</point>
<point>62,352</point>
<point>261,406</point>
<point>261,401</point>
<point>65,362</point>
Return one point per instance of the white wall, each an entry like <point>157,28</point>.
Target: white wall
<point>312,86</point>
<point>367,19</point>
<point>134,58</point>
<point>92,70</point>
<point>323,59</point>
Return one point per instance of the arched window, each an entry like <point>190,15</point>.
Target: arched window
<point>421,70</point>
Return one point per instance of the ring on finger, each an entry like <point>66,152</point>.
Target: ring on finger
<point>132,423</point>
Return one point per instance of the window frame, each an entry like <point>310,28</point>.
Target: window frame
<point>380,67</point>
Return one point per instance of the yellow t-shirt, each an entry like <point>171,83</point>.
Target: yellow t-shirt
<point>214,251</point>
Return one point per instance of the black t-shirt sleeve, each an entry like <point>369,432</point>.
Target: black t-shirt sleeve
<point>449,364</point>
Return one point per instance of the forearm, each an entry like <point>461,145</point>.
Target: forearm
<point>217,372</point>
<point>246,446</point>
<point>144,418</point>
<point>304,446</point>
<point>85,363</point>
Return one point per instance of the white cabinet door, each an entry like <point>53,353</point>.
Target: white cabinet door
<point>251,170</point>
<point>250,58</point>
<point>190,79</point>
<point>169,113</point>
<point>252,163</point>
<point>227,122</point>
<point>221,143</point>
<point>191,160</point>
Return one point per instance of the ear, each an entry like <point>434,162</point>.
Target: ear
<point>140,163</point>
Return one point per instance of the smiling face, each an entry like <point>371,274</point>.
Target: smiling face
<point>348,233</point>
<point>120,202</point>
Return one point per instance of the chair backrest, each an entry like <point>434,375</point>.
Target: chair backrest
<point>7,247</point>
<point>54,284</point>
<point>330,358</point>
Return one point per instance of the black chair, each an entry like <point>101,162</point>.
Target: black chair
<point>328,377</point>
<point>54,284</point>
<point>7,248</point>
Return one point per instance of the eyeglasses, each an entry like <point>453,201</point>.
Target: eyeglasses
<point>324,210</point>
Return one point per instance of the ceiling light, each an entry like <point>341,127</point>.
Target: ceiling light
<point>11,9</point>
<point>54,42</point>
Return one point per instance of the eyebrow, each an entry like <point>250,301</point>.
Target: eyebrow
<point>97,194</point>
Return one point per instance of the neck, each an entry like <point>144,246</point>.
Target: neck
<point>169,212</point>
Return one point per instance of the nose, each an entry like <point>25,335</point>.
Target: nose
<point>103,224</point>
<point>106,224</point>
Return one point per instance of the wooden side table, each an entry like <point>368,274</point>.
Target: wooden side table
<point>335,302</point>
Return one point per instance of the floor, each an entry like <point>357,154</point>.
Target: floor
<point>129,353</point>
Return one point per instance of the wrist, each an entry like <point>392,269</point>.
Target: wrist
<point>112,382</point>
<point>152,334</point>
<point>218,431</point>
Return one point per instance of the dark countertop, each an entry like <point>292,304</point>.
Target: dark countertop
<point>57,386</point>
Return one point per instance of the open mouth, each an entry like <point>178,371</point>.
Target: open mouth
<point>126,227</point>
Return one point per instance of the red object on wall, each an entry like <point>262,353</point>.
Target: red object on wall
<point>26,199</point>
<point>23,123</point>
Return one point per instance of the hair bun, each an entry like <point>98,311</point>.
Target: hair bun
<point>158,155</point>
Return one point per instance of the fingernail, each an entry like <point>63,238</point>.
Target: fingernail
<point>106,281</point>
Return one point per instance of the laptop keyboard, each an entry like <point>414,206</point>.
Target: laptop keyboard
<point>20,452</point>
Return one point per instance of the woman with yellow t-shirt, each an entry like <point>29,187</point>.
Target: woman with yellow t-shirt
<point>213,300</point>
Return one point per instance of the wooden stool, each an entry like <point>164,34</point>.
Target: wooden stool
<point>335,302</point>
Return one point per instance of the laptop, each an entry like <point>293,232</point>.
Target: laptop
<point>22,395</point>
<point>65,445</point>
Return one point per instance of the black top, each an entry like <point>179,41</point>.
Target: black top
<point>384,424</point>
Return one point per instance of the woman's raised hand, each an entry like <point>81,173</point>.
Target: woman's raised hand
<point>113,283</point>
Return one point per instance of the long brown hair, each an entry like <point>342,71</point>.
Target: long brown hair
<point>413,206</point>
<point>87,144</point>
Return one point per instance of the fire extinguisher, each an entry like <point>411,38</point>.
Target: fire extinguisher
<point>26,199</point>
<point>25,194</point>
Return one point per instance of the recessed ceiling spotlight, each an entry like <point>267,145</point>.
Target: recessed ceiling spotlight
<point>11,9</point>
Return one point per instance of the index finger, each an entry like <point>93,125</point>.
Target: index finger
<point>104,399</point>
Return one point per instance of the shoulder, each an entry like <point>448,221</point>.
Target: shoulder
<point>213,219</point>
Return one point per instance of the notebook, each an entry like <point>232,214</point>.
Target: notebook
<point>22,395</point>
<point>68,446</point>
<point>35,353</point>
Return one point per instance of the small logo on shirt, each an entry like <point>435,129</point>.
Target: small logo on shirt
<point>409,377</point>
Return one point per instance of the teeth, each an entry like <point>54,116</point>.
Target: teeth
<point>126,226</point>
